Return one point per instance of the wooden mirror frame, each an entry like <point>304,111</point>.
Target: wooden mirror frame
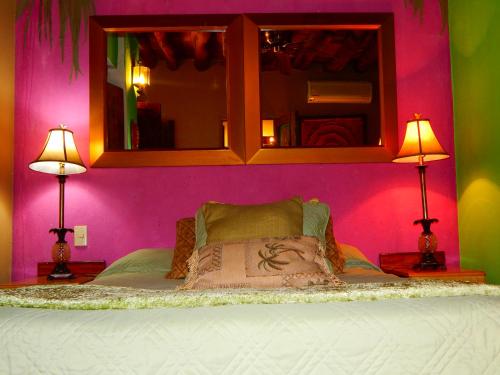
<point>384,24</point>
<point>100,157</point>
<point>243,90</point>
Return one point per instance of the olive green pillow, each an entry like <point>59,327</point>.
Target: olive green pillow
<point>227,222</point>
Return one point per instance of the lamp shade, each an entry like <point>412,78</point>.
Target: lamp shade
<point>420,143</point>
<point>268,128</point>
<point>59,155</point>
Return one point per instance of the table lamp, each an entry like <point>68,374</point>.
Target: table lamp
<point>420,145</point>
<point>60,157</point>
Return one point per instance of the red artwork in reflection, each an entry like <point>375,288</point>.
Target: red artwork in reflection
<point>332,132</point>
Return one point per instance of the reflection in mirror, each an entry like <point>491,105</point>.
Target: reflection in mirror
<point>166,90</point>
<point>319,87</point>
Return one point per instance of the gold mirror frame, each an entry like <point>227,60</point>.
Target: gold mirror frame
<point>243,90</point>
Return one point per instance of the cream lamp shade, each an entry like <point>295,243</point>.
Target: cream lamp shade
<point>59,155</point>
<point>420,144</point>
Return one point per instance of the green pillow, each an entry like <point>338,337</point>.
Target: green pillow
<point>315,217</point>
<point>227,222</point>
<point>354,258</point>
<point>143,261</point>
<point>359,263</point>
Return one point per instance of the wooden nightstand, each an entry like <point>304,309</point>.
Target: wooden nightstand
<point>83,271</point>
<point>401,264</point>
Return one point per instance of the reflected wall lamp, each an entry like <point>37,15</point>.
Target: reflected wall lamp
<point>61,158</point>
<point>140,78</point>
<point>268,136</point>
<point>420,146</point>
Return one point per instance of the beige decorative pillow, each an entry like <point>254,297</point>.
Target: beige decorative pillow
<point>260,263</point>
<point>227,222</point>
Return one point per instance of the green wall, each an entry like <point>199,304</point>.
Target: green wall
<point>475,60</point>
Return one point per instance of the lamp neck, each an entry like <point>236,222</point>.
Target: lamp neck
<point>62,181</point>
<point>423,190</point>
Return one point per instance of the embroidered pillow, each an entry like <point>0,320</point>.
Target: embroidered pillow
<point>315,219</point>
<point>227,222</point>
<point>184,245</point>
<point>333,251</point>
<point>260,263</point>
<point>318,223</point>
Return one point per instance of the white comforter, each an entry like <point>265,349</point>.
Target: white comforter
<point>439,335</point>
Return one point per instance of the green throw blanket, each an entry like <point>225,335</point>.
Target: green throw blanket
<point>96,297</point>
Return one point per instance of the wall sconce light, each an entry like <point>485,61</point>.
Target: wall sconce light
<point>420,145</point>
<point>268,138</point>
<point>60,157</point>
<point>140,78</point>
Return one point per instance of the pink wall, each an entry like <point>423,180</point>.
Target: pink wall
<point>374,205</point>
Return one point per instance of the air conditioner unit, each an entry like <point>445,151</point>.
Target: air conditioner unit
<point>339,92</point>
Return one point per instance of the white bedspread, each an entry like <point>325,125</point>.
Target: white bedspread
<point>439,335</point>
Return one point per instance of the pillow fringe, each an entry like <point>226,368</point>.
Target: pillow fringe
<point>192,275</point>
<point>320,260</point>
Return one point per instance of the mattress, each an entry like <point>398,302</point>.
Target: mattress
<point>430,335</point>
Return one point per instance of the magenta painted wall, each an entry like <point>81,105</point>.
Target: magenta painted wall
<point>125,209</point>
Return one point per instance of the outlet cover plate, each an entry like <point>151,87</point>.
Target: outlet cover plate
<point>80,235</point>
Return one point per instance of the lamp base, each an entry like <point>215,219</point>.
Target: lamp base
<point>60,254</point>
<point>60,271</point>
<point>429,262</point>
<point>427,244</point>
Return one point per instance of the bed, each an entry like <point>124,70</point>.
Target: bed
<point>428,335</point>
<point>140,317</point>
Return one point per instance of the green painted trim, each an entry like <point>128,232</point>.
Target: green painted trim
<point>130,55</point>
<point>112,45</point>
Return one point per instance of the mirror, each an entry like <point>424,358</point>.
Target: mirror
<point>166,90</point>
<point>234,89</point>
<point>176,110</point>
<point>319,88</point>
<point>326,88</point>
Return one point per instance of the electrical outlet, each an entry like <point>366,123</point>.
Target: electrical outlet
<point>80,235</point>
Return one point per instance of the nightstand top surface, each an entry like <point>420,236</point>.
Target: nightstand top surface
<point>42,280</point>
<point>84,272</point>
<point>401,264</point>
<point>450,271</point>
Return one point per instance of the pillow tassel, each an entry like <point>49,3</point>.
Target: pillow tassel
<point>320,260</point>
<point>193,271</point>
